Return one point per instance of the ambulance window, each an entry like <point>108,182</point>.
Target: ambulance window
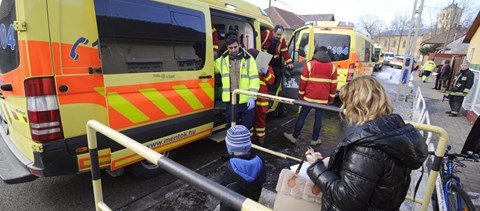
<point>298,46</point>
<point>9,56</point>
<point>338,45</point>
<point>148,36</point>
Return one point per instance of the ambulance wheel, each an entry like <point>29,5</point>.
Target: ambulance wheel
<point>144,169</point>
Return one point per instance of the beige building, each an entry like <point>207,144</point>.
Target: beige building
<point>396,41</point>
<point>449,17</point>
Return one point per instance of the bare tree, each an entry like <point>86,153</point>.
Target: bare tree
<point>468,13</point>
<point>434,16</point>
<point>372,24</point>
<point>400,25</point>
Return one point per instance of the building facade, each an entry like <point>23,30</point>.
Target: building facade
<point>396,41</point>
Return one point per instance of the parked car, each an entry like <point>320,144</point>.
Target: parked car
<point>397,62</point>
<point>387,57</point>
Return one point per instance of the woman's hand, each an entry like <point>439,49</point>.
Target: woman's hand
<point>312,156</point>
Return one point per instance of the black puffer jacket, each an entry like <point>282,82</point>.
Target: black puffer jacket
<point>370,169</point>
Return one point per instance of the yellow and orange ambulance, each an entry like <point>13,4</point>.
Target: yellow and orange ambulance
<point>142,67</point>
<point>349,50</point>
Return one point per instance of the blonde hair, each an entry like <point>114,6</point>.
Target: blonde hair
<point>364,99</point>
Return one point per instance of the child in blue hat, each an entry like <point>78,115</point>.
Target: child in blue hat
<point>243,172</point>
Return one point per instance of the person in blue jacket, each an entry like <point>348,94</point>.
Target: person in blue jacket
<point>243,171</point>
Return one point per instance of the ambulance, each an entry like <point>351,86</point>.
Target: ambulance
<point>377,52</point>
<point>349,50</point>
<point>142,67</point>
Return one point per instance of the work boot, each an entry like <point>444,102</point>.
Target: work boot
<point>315,142</point>
<point>290,137</point>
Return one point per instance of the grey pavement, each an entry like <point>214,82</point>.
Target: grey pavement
<point>457,128</point>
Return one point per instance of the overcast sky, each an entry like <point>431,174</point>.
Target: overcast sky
<point>351,10</point>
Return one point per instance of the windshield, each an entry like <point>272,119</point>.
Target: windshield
<point>9,59</point>
<point>338,45</point>
<point>389,55</point>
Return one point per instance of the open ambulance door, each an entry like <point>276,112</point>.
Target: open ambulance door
<point>301,49</point>
<point>158,77</point>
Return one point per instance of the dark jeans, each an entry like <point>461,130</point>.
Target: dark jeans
<point>438,82</point>
<point>455,103</point>
<point>243,115</point>
<point>317,126</point>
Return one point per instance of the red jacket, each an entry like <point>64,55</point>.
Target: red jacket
<point>280,49</point>
<point>318,82</point>
<point>265,80</point>
<point>214,38</point>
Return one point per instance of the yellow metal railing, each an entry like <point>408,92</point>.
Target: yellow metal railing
<point>439,153</point>
<point>225,195</point>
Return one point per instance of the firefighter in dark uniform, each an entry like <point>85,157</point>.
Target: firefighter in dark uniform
<point>460,88</point>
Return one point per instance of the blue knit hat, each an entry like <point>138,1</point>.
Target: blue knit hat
<point>238,139</point>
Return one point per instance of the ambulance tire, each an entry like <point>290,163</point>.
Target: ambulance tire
<point>146,170</point>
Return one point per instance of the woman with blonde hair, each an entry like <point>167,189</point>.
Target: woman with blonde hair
<point>370,168</point>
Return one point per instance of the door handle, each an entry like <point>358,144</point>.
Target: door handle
<point>6,87</point>
<point>204,77</point>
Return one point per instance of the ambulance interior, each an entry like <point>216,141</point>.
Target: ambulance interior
<point>227,24</point>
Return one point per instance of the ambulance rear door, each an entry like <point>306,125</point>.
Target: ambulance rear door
<point>157,72</point>
<point>301,48</point>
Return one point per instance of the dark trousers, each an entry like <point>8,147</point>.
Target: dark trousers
<point>455,103</point>
<point>243,115</point>
<point>445,83</point>
<point>438,82</point>
<point>317,126</point>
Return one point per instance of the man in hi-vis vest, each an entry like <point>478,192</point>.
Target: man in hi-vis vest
<point>238,70</point>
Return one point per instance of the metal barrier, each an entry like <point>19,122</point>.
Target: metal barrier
<point>420,102</point>
<point>226,195</point>
<point>439,152</point>
<point>421,111</point>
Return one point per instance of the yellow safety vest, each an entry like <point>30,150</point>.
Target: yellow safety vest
<point>248,75</point>
<point>429,66</point>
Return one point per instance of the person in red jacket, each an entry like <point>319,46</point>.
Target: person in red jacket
<point>318,84</point>
<point>273,42</point>
<point>266,77</point>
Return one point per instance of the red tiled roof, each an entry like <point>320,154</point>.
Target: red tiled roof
<point>440,38</point>
<point>285,18</point>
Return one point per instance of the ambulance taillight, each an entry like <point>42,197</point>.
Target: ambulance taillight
<point>351,72</point>
<point>42,108</point>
